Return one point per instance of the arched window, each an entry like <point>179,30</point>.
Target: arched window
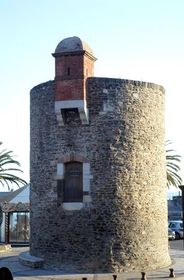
<point>73,182</point>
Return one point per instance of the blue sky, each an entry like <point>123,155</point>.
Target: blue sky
<point>135,39</point>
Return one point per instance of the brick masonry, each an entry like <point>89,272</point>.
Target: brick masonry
<point>71,74</point>
<point>123,226</point>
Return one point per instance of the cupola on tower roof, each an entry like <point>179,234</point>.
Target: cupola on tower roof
<point>72,44</point>
<point>74,63</point>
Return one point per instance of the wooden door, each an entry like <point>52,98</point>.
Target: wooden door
<point>73,190</point>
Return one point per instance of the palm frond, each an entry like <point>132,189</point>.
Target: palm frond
<point>8,165</point>
<point>172,167</point>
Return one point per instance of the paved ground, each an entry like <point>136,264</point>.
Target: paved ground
<point>20,272</point>
<point>177,244</point>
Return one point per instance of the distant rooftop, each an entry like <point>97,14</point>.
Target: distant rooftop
<point>8,196</point>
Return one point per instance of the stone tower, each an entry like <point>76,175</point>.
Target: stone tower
<point>97,175</point>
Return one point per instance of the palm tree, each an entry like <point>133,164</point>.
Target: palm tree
<point>7,169</point>
<point>172,167</point>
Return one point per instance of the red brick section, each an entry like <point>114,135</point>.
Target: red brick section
<point>72,70</point>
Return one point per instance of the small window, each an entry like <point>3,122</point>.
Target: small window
<point>68,71</point>
<point>73,188</point>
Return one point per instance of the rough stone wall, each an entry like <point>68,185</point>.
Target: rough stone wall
<point>124,227</point>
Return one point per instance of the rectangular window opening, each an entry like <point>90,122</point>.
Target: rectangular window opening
<point>73,187</point>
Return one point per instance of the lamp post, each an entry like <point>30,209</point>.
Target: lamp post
<point>182,197</point>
